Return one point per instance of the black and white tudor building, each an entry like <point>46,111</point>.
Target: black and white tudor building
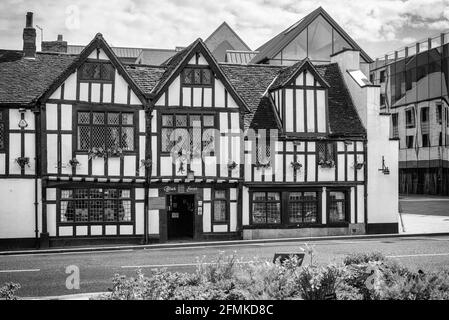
<point>285,146</point>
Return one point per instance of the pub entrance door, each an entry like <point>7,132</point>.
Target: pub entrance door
<point>180,216</point>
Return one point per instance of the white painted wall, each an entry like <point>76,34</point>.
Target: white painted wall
<point>17,217</point>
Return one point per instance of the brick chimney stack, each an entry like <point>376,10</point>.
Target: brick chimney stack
<point>55,46</point>
<point>29,38</point>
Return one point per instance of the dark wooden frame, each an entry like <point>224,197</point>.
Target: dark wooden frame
<point>347,206</point>
<point>226,199</point>
<point>5,121</point>
<point>193,84</point>
<point>105,111</point>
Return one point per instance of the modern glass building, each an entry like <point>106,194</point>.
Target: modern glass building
<point>414,89</point>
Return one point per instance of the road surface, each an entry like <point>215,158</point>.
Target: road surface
<point>45,274</point>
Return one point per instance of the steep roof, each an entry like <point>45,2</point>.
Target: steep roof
<point>272,47</point>
<point>23,81</point>
<point>252,81</point>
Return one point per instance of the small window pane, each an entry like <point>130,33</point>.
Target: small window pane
<point>98,137</point>
<point>220,194</point>
<point>128,138</point>
<point>167,144</point>
<point>110,210</point>
<point>295,196</point>
<point>295,212</point>
<point>273,196</point>
<point>124,212</point>
<point>96,211</point>
<point>107,71</point>
<point>83,118</point>
<point>273,213</point>
<point>83,138</point>
<point>127,118</point>
<point>259,196</point>
<point>206,76</point>
<point>220,210</point>
<point>188,76</point>
<point>181,121</point>
<point>197,76</point>
<point>167,121</point>
<point>208,121</point>
<point>113,137</point>
<point>98,118</point>
<point>114,118</point>
<point>259,213</point>
<point>2,136</point>
<point>195,121</point>
<point>66,194</point>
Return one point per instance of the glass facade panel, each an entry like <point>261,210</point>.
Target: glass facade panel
<point>297,49</point>
<point>339,42</point>
<point>319,39</point>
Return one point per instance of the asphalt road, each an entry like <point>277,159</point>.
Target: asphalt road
<point>45,274</point>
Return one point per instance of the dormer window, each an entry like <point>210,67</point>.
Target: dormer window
<point>197,77</point>
<point>97,71</point>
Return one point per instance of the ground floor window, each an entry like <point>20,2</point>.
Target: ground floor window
<point>220,210</point>
<point>95,205</point>
<point>294,207</point>
<point>337,207</point>
<point>303,207</point>
<point>266,208</point>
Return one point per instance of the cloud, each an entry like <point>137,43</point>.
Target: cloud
<point>170,23</point>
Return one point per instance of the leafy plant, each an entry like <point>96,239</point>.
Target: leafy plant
<point>8,291</point>
<point>23,161</point>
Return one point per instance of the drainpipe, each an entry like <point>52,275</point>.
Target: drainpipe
<point>366,186</point>
<point>148,114</point>
<point>36,173</point>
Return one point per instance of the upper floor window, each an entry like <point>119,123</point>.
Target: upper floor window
<point>425,114</point>
<point>439,113</point>
<point>410,118</point>
<point>263,152</point>
<point>195,133</point>
<point>326,152</point>
<point>197,76</point>
<point>394,121</point>
<point>3,126</point>
<point>106,130</point>
<point>382,76</point>
<point>97,71</point>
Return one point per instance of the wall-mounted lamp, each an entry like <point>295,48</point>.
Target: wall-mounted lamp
<point>384,169</point>
<point>22,123</point>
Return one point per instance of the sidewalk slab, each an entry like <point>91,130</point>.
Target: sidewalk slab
<point>79,296</point>
<point>214,243</point>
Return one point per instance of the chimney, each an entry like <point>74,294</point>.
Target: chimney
<point>55,46</point>
<point>29,38</point>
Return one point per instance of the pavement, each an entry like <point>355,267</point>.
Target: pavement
<point>423,214</point>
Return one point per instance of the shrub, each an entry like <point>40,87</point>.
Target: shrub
<point>358,258</point>
<point>319,283</point>
<point>8,291</point>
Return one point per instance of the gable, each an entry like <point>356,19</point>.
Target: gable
<point>96,77</point>
<point>316,36</point>
<point>196,80</point>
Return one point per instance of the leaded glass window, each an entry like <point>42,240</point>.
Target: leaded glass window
<point>337,207</point>
<point>197,76</point>
<point>107,130</point>
<point>97,71</point>
<point>95,205</point>
<point>303,207</point>
<point>266,208</point>
<point>220,210</point>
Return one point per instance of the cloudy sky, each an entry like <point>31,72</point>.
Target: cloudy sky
<point>377,25</point>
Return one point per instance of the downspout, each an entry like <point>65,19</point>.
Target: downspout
<point>148,170</point>
<point>36,172</point>
<point>366,185</point>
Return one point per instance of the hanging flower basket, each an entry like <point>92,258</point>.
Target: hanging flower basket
<point>360,165</point>
<point>114,152</point>
<point>326,163</point>
<point>232,165</point>
<point>23,161</point>
<point>97,153</point>
<point>263,165</point>
<point>147,163</point>
<point>74,162</point>
<point>296,165</point>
